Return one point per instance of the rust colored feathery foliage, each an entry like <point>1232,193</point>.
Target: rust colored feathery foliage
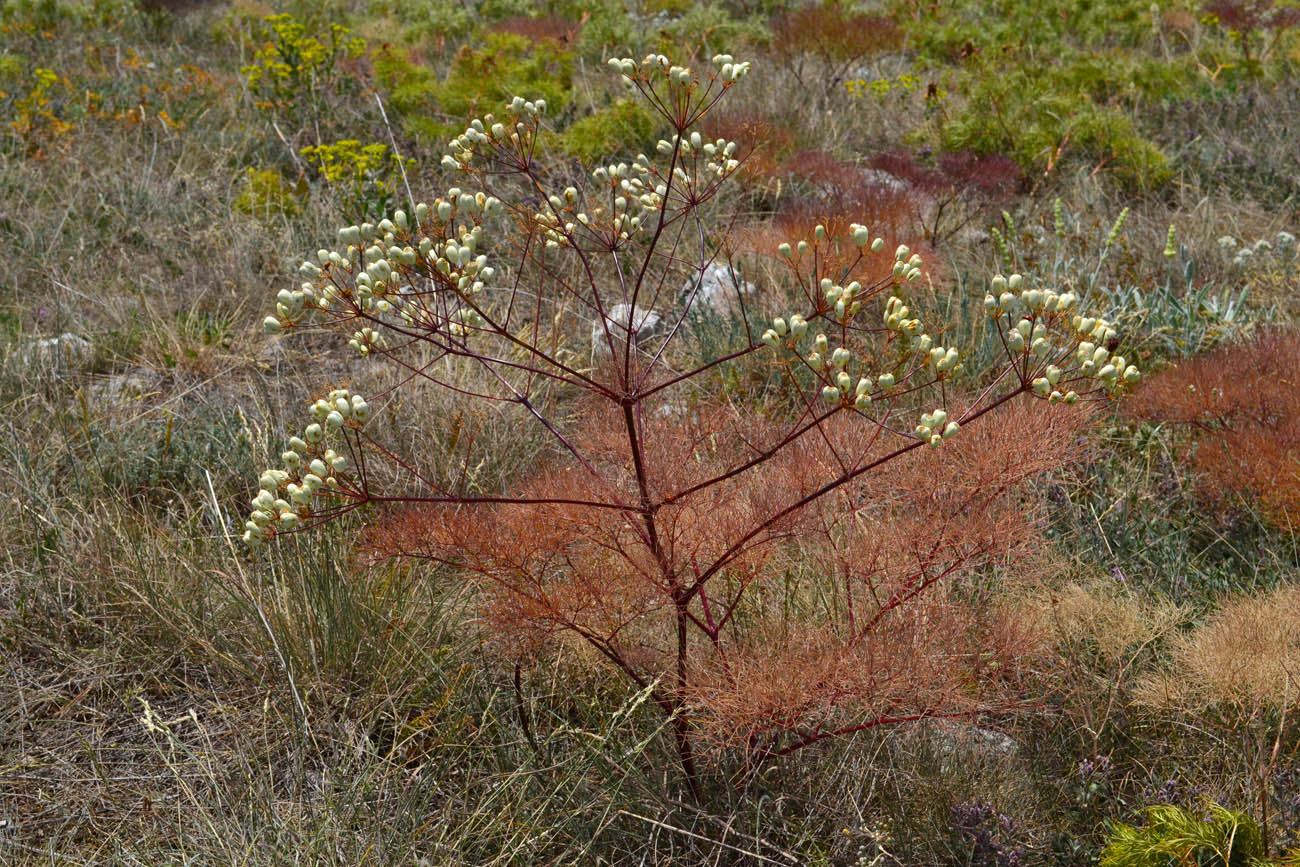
<point>561,31</point>
<point>832,33</point>
<point>761,142</point>
<point>773,567</point>
<point>1241,402</point>
<point>878,556</point>
<point>1248,16</point>
<point>961,188</point>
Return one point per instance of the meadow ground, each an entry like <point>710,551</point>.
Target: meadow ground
<point>172,697</point>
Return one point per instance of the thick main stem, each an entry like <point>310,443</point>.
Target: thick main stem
<point>681,599</point>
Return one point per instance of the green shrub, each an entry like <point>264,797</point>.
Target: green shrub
<point>1039,115</point>
<point>624,127</point>
<point>481,79</point>
<point>1173,836</point>
<point>505,66</point>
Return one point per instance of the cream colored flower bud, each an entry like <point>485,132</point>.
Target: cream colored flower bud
<point>271,325</point>
<point>1132,374</point>
<point>821,343</point>
<point>877,245</point>
<point>1014,281</point>
<point>291,459</point>
<point>951,428</point>
<point>778,325</point>
<point>885,380</point>
<point>288,520</point>
<point>771,338</point>
<point>318,467</point>
<point>902,252</point>
<point>1041,386</point>
<point>998,284</point>
<point>798,326</point>
<point>861,236</point>
<point>831,394</point>
<point>784,250</point>
<point>862,402</point>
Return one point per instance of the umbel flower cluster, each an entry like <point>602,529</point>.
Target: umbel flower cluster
<point>657,503</point>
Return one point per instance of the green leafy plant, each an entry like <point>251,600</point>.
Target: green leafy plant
<point>1173,836</point>
<point>619,128</point>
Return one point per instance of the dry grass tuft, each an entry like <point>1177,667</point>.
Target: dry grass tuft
<point>1247,655</point>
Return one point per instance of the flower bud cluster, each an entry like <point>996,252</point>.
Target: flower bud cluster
<point>935,427</point>
<point>861,236</point>
<point>896,318</point>
<point>655,65</point>
<point>516,133</point>
<point>1097,361</point>
<point>311,469</point>
<point>374,273</point>
<point>1027,317</point>
<point>907,265</point>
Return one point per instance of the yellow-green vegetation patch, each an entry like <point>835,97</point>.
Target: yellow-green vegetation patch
<point>626,127</point>
<point>266,194</point>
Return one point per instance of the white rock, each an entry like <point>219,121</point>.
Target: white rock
<point>719,289</point>
<point>882,178</point>
<point>129,387</point>
<point>645,324</point>
<point>64,354</point>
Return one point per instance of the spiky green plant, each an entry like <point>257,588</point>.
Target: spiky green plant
<point>1174,836</point>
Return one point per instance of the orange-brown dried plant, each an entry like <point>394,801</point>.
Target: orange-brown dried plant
<point>1240,402</point>
<point>833,35</point>
<point>772,567</point>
